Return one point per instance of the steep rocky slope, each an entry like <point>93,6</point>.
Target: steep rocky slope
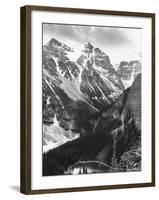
<point>128,71</point>
<point>115,139</point>
<point>73,91</point>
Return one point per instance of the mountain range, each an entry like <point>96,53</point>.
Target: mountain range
<point>86,102</point>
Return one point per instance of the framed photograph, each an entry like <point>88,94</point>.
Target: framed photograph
<point>87,99</point>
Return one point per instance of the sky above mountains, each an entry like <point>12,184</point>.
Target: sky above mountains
<point>120,44</point>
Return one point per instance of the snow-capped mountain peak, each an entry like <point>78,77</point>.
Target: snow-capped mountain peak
<point>70,88</point>
<point>56,44</point>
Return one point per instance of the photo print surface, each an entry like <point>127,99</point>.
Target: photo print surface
<point>91,99</point>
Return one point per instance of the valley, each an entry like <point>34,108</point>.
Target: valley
<point>91,111</point>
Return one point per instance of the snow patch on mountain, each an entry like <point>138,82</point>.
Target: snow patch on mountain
<point>54,135</point>
<point>71,88</point>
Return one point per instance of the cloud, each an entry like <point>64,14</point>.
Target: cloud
<point>103,36</point>
<point>64,31</point>
<point>118,43</point>
<point>110,36</point>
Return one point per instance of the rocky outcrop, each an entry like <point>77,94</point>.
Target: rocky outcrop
<point>128,105</point>
<point>128,71</point>
<point>123,121</point>
<point>133,103</point>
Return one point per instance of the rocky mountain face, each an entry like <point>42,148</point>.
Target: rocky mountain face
<point>128,71</point>
<point>128,104</point>
<point>100,81</point>
<point>88,114</point>
<point>123,121</point>
<point>115,139</point>
<point>133,104</point>
<point>75,90</point>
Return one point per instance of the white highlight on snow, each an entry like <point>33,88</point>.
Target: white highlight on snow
<point>91,87</point>
<point>57,66</point>
<point>57,135</point>
<point>48,100</point>
<point>128,83</point>
<point>52,145</point>
<point>79,78</point>
<point>103,95</point>
<point>54,93</point>
<point>71,88</point>
<point>72,76</point>
<point>56,123</point>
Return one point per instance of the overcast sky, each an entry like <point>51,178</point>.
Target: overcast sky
<point>118,43</point>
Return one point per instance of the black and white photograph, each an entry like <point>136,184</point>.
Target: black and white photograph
<point>91,99</point>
